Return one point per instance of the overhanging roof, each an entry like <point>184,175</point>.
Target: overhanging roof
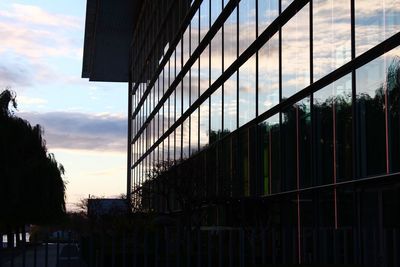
<point>108,34</point>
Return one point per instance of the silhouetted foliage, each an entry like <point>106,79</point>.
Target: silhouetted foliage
<point>31,187</point>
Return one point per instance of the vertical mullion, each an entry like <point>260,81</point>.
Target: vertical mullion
<point>354,95</point>
<point>209,73</point>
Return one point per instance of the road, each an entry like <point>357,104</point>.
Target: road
<point>68,257</point>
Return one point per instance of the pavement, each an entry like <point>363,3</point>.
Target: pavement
<point>68,257</point>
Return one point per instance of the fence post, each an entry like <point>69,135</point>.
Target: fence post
<point>199,247</point>
<point>241,248</point>
<point>395,249</point>
<point>220,249</point>
<point>209,253</point>
<point>166,238</point>
<point>189,248</point>
<point>230,248</point>
<point>124,250</point>
<point>46,254</point>
<point>145,244</point>
<point>156,249</point>
<point>34,256</point>
<point>1,249</point>
<point>134,248</point>
<point>263,246</point>
<point>58,249</point>
<point>113,250</point>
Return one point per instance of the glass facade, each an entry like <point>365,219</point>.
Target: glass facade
<point>292,103</point>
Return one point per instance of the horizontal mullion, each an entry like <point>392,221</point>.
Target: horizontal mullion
<point>267,34</point>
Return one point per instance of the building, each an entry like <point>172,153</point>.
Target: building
<point>291,104</point>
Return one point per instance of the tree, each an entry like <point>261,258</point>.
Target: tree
<point>32,190</point>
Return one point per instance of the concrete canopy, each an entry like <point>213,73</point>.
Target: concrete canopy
<point>108,34</point>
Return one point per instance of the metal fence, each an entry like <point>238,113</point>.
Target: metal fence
<point>214,247</point>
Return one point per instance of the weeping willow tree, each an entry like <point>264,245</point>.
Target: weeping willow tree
<point>32,190</point>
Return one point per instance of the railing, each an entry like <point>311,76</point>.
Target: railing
<point>214,247</point>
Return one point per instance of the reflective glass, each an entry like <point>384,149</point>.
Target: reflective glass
<point>331,35</point>
<point>230,104</point>
<point>204,70</point>
<point>371,117</point>
<point>216,56</point>
<point>247,24</point>
<point>204,124</point>
<point>194,132</point>
<point>216,116</point>
<point>186,91</point>
<point>195,31</point>
<point>178,59</point>
<point>268,75</point>
<point>186,45</point>
<point>230,39</point>
<point>194,82</point>
<point>269,155</point>
<point>216,9</point>
<point>186,138</point>
<point>204,18</point>
<point>296,53</point>
<point>247,91</point>
<point>268,11</point>
<point>393,90</point>
<point>333,132</point>
<point>376,20</point>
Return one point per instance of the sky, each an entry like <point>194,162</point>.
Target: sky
<point>85,123</point>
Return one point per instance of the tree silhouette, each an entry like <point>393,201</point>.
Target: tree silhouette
<point>31,187</point>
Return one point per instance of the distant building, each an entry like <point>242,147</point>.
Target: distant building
<point>284,110</point>
<point>98,207</point>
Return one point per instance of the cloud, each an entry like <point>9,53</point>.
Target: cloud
<point>81,131</point>
<point>31,38</point>
<point>37,16</point>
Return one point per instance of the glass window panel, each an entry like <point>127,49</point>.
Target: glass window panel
<point>204,18</point>
<point>296,53</point>
<point>178,101</point>
<point>186,45</point>
<point>186,91</point>
<point>268,11</point>
<point>216,56</point>
<point>247,24</point>
<point>393,90</point>
<point>194,31</point>
<point>178,143</point>
<point>247,91</point>
<point>230,39</point>
<point>172,69</point>
<point>204,124</point>
<point>331,35</point>
<point>178,59</point>
<point>216,118</point>
<point>333,136</point>
<point>186,139</point>
<point>244,158</point>
<point>268,75</point>
<point>230,104</point>
<point>194,132</point>
<point>216,9</point>
<point>204,70</point>
<point>194,82</point>
<point>296,150</point>
<point>285,3</point>
<point>376,20</point>
<point>269,155</point>
<point>371,126</point>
